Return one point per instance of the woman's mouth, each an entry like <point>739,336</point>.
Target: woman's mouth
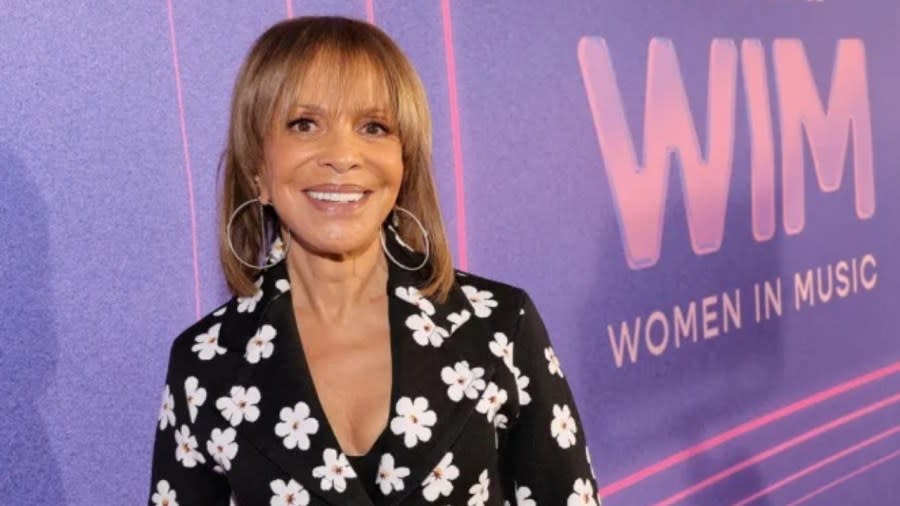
<point>337,197</point>
<point>337,200</point>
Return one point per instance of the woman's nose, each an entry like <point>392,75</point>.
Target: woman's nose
<point>340,151</point>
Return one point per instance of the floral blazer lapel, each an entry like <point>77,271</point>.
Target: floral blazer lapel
<point>440,363</point>
<point>432,399</point>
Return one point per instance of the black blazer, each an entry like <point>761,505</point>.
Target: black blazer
<point>480,411</point>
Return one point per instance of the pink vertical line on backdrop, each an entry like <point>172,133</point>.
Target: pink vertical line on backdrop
<point>848,476</point>
<point>187,156</point>
<point>775,450</point>
<point>749,426</point>
<point>289,6</point>
<point>370,11</point>
<point>450,58</point>
<point>818,465</point>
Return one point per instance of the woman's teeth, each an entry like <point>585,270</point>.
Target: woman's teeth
<point>342,197</point>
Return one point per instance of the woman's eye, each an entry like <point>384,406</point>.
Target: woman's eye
<point>302,125</point>
<point>375,128</point>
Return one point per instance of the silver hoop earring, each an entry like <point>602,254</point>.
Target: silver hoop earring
<point>237,210</point>
<point>397,237</point>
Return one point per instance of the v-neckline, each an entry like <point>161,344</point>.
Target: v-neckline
<point>307,377</point>
<point>282,376</point>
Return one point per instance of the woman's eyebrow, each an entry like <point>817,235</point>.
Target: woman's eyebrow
<point>377,111</point>
<point>365,111</point>
<point>373,111</point>
<point>308,108</point>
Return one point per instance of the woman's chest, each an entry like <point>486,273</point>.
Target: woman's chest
<point>446,395</point>
<point>351,370</point>
<point>447,421</point>
<point>455,458</point>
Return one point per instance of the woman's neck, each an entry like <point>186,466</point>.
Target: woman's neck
<point>332,287</point>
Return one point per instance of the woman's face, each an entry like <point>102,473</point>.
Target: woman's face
<point>333,168</point>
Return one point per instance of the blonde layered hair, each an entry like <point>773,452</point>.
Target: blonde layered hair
<point>269,78</point>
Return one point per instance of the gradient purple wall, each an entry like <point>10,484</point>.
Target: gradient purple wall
<point>114,120</point>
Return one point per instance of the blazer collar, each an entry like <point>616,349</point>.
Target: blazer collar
<point>425,337</point>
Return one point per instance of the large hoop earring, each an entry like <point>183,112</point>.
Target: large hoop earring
<point>237,210</point>
<point>397,237</point>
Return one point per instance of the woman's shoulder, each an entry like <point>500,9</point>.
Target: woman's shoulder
<point>491,297</point>
<point>497,287</point>
<point>201,339</point>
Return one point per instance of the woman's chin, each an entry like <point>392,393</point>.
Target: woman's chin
<point>337,247</point>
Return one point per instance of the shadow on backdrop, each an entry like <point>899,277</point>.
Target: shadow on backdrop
<point>29,472</point>
<point>703,388</point>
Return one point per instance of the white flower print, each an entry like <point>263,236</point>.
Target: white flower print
<point>462,381</point>
<point>499,422</point>
<point>296,426</point>
<point>334,472</point>
<point>276,251</point>
<point>186,449</point>
<point>440,481</point>
<point>390,478</point>
<point>553,362</point>
<point>195,395</point>
<point>283,285</point>
<point>414,420</point>
<point>207,344</point>
<point>260,345</point>
<point>248,304</point>
<point>523,497</point>
<point>220,311</point>
<point>502,347</point>
<point>222,448</point>
<point>167,409</point>
<point>582,494</point>
<point>491,401</point>
<point>480,491</point>
<point>164,495</point>
<point>521,384</point>
<point>288,494</point>
<point>563,426</point>
<point>482,300</point>
<point>425,332</point>
<point>458,319</point>
<point>240,405</point>
<point>413,296</point>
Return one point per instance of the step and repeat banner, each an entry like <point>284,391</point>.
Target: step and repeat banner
<point>701,196</point>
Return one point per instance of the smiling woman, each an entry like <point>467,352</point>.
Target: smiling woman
<point>324,97</point>
<point>333,169</point>
<point>358,367</point>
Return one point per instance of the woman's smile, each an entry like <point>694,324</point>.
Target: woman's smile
<point>341,200</point>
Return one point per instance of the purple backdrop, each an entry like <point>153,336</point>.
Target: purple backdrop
<point>643,168</point>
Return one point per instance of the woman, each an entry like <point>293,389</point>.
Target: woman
<point>359,368</point>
